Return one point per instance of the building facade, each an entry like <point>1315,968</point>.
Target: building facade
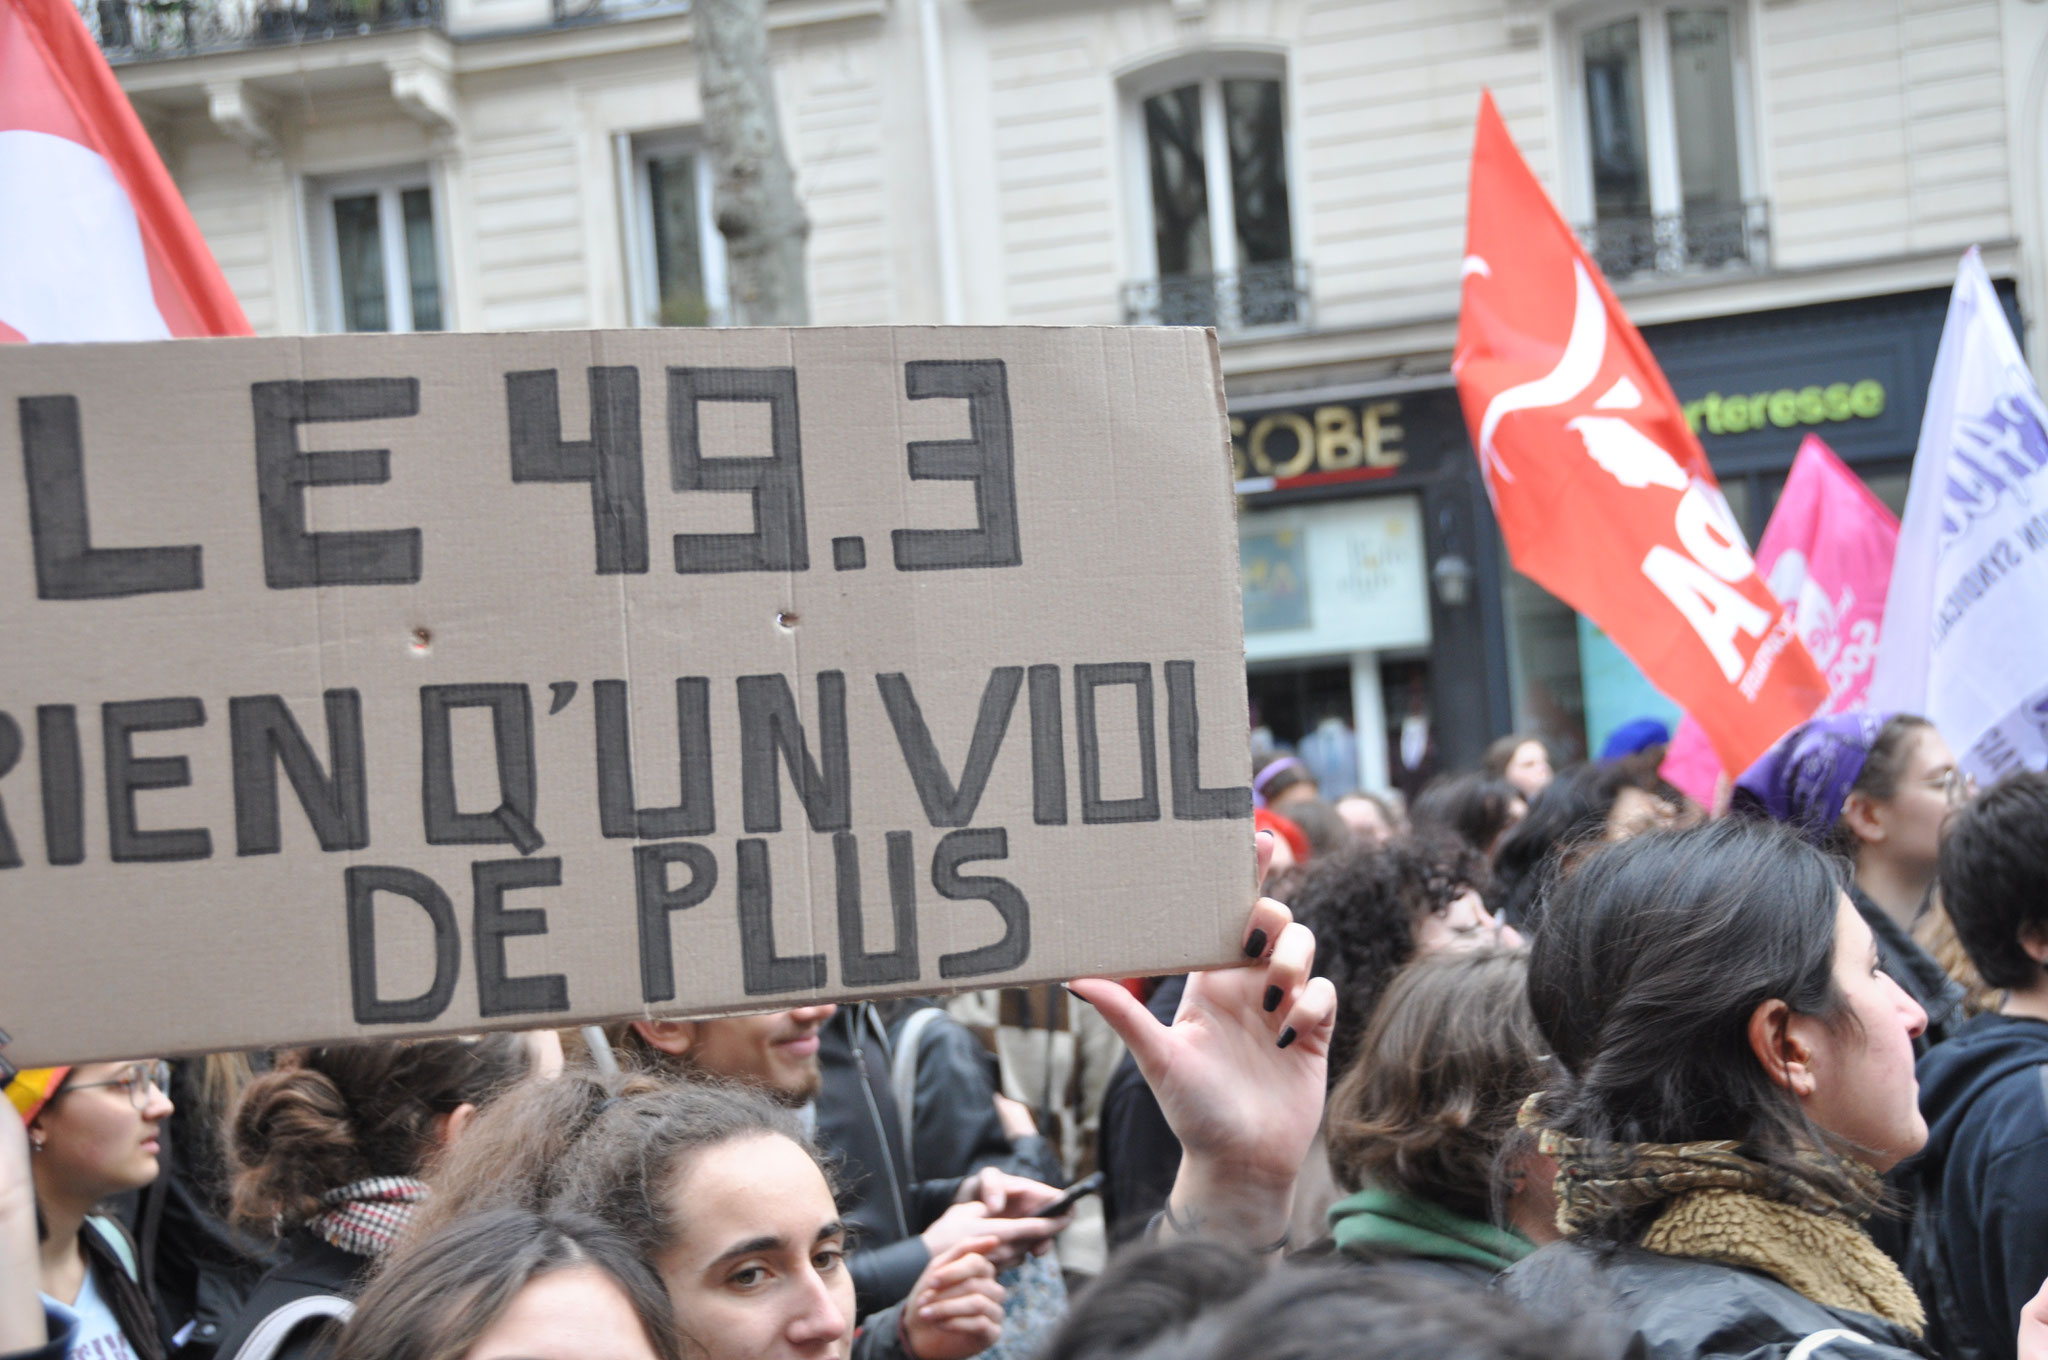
<point>1778,189</point>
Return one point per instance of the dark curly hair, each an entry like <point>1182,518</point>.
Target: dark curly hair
<point>1364,904</point>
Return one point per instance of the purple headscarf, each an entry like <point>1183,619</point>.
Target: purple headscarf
<point>1804,780</point>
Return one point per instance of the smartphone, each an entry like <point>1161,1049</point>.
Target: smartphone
<point>1087,1185</point>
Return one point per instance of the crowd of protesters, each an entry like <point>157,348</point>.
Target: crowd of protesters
<point>1553,1063</point>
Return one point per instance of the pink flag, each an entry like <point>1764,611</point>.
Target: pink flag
<point>1827,553</point>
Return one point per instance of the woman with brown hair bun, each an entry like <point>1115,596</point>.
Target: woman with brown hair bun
<point>328,1152</point>
<point>1422,1127</point>
<point>509,1283</point>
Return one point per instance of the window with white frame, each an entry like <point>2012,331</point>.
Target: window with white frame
<point>378,260</point>
<point>675,258</point>
<point>1211,197</point>
<point>1663,130</point>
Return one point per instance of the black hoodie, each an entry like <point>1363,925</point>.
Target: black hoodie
<point>1980,1238</point>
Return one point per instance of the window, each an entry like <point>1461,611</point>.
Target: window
<point>1662,121</point>
<point>1210,157</point>
<point>675,257</point>
<point>379,254</point>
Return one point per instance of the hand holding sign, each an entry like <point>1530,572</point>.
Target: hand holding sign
<point>1240,1074</point>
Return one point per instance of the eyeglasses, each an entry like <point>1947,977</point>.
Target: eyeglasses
<point>136,1079</point>
<point>1954,785</point>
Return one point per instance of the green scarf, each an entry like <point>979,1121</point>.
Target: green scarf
<point>1384,1223</point>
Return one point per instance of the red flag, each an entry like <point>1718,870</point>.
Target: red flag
<point>1603,494</point>
<point>95,243</point>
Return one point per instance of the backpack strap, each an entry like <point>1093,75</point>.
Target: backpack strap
<point>114,1236</point>
<point>269,1335</point>
<point>903,1077</point>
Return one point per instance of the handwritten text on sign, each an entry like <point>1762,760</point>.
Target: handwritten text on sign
<point>389,682</point>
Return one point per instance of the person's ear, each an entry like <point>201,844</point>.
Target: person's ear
<point>448,1127</point>
<point>1776,1038</point>
<point>2034,939</point>
<point>673,1037</point>
<point>1863,816</point>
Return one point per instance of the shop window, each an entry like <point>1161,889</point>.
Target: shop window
<point>378,259</point>
<point>1662,126</point>
<point>675,257</point>
<point>1209,172</point>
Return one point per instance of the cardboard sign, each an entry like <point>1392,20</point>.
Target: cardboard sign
<point>387,685</point>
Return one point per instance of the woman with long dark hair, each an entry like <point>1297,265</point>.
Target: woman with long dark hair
<point>1734,1074</point>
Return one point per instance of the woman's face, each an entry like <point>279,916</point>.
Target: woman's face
<point>1862,1086</point>
<point>1464,924</point>
<point>1529,768</point>
<point>94,1139</point>
<point>1911,820</point>
<point>760,1272</point>
<point>574,1314</point>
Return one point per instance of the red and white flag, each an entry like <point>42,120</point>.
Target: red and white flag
<point>95,243</point>
<point>1602,492</point>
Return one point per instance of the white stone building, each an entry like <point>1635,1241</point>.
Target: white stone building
<point>1777,188</point>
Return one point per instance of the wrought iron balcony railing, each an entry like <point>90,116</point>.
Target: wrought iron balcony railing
<point>1735,235</point>
<point>146,29</point>
<point>1258,297</point>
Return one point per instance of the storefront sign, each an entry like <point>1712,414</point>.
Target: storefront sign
<point>1786,408</point>
<point>1317,446</point>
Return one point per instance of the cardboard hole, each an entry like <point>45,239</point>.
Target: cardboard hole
<point>785,619</point>
<point>422,641</point>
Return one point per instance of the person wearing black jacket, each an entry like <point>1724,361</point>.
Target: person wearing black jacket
<point>902,1220</point>
<point>1980,1239</point>
<point>1135,1148</point>
<point>955,1127</point>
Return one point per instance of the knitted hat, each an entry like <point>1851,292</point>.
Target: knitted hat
<point>31,1088</point>
<point>1632,737</point>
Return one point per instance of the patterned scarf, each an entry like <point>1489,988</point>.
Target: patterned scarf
<point>1721,1206</point>
<point>368,1217</point>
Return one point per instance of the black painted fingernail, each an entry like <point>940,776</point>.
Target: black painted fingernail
<point>1286,1037</point>
<point>1273,995</point>
<point>1256,945</point>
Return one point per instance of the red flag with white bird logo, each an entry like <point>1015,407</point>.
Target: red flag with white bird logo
<point>95,242</point>
<point>1603,494</point>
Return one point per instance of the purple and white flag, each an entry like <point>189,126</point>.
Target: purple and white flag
<point>1965,638</point>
